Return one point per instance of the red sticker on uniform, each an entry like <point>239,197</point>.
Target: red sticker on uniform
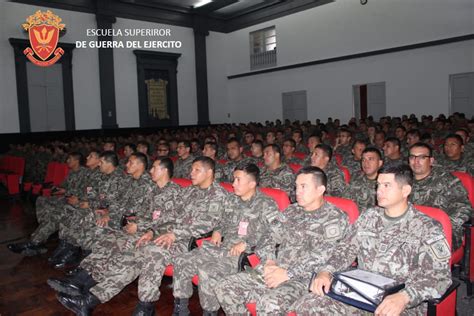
<point>156,215</point>
<point>243,228</point>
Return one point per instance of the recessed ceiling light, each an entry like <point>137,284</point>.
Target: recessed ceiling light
<point>201,3</point>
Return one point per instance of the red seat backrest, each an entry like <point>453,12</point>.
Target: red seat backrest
<point>61,171</point>
<point>347,174</point>
<point>345,205</point>
<point>49,177</point>
<point>300,155</point>
<point>441,217</point>
<point>295,167</point>
<point>280,197</point>
<point>468,183</point>
<point>338,158</point>
<point>182,182</point>
<point>228,186</point>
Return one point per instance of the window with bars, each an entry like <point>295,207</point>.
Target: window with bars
<point>263,48</point>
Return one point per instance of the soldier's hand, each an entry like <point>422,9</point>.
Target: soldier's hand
<point>216,239</point>
<point>103,221</point>
<point>131,228</point>
<point>72,200</point>
<point>393,305</point>
<point>274,276</point>
<point>102,212</point>
<point>165,240</point>
<point>59,192</point>
<point>321,283</point>
<point>145,239</point>
<point>84,204</point>
<point>238,248</point>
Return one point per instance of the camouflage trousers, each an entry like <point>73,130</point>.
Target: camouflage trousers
<point>235,291</point>
<point>82,231</point>
<point>311,304</point>
<point>50,211</point>
<point>148,263</point>
<point>210,263</point>
<point>109,246</point>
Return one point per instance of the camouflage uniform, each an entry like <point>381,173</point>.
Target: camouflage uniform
<point>201,211</point>
<point>281,178</point>
<point>464,165</point>
<point>301,148</point>
<point>345,151</point>
<point>442,190</point>
<point>306,242</point>
<point>50,211</point>
<point>352,165</point>
<point>363,191</point>
<point>219,172</point>
<point>159,217</point>
<point>228,169</point>
<point>254,222</point>
<point>256,160</point>
<point>336,182</point>
<point>387,160</point>
<point>182,167</point>
<point>293,159</point>
<point>411,249</point>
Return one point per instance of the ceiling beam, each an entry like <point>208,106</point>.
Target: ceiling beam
<point>214,6</point>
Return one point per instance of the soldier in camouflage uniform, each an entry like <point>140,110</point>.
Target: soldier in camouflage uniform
<point>210,150</point>
<point>363,186</point>
<point>50,210</point>
<point>236,158</point>
<point>182,166</point>
<point>257,153</point>
<point>394,240</point>
<point>128,149</point>
<point>467,141</point>
<point>250,218</point>
<point>454,158</point>
<point>310,230</point>
<point>321,158</point>
<point>297,136</point>
<point>343,145</point>
<point>353,163</point>
<point>200,211</point>
<point>438,188</point>
<point>276,174</point>
<point>392,151</point>
<point>155,220</point>
<point>288,149</point>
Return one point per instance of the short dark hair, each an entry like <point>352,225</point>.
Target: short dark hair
<point>373,150</point>
<point>394,141</point>
<point>319,176</point>
<point>274,147</point>
<point>403,173</point>
<point>234,140</point>
<point>167,163</point>
<point>415,132</point>
<point>250,169</point>
<point>213,145</point>
<point>133,147</point>
<point>206,161</point>
<point>345,130</point>
<point>291,141</point>
<point>423,145</point>
<point>258,143</point>
<point>326,148</point>
<point>185,142</point>
<point>111,157</point>
<point>146,144</point>
<point>456,136</point>
<point>358,141</point>
<point>142,158</point>
<point>77,156</point>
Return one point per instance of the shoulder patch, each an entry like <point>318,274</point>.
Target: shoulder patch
<point>332,230</point>
<point>440,249</point>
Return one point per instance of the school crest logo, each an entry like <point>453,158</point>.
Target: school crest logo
<point>43,31</point>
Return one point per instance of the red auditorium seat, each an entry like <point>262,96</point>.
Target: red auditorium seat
<point>295,167</point>
<point>300,155</point>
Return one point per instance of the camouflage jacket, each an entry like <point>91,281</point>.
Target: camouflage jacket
<point>336,182</point>
<point>352,165</point>
<point>281,178</point>
<point>76,181</point>
<point>228,168</point>
<point>411,248</point>
<point>201,211</point>
<point>307,238</point>
<point>293,159</point>
<point>345,151</point>
<point>301,148</point>
<point>162,211</point>
<point>442,190</point>
<point>94,178</point>
<point>464,164</point>
<point>109,190</point>
<point>182,167</point>
<point>363,191</point>
<point>256,222</point>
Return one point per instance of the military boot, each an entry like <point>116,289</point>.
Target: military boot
<point>144,309</point>
<point>181,307</point>
<point>209,313</point>
<point>28,248</point>
<point>72,256</point>
<point>76,284</point>
<point>80,305</point>
<point>63,245</point>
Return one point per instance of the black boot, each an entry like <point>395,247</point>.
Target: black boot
<point>144,309</point>
<point>80,305</point>
<point>74,285</point>
<point>70,257</point>
<point>181,307</point>
<point>27,248</point>
<point>209,313</point>
<point>63,245</point>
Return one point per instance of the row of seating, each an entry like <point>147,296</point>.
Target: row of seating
<point>12,169</point>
